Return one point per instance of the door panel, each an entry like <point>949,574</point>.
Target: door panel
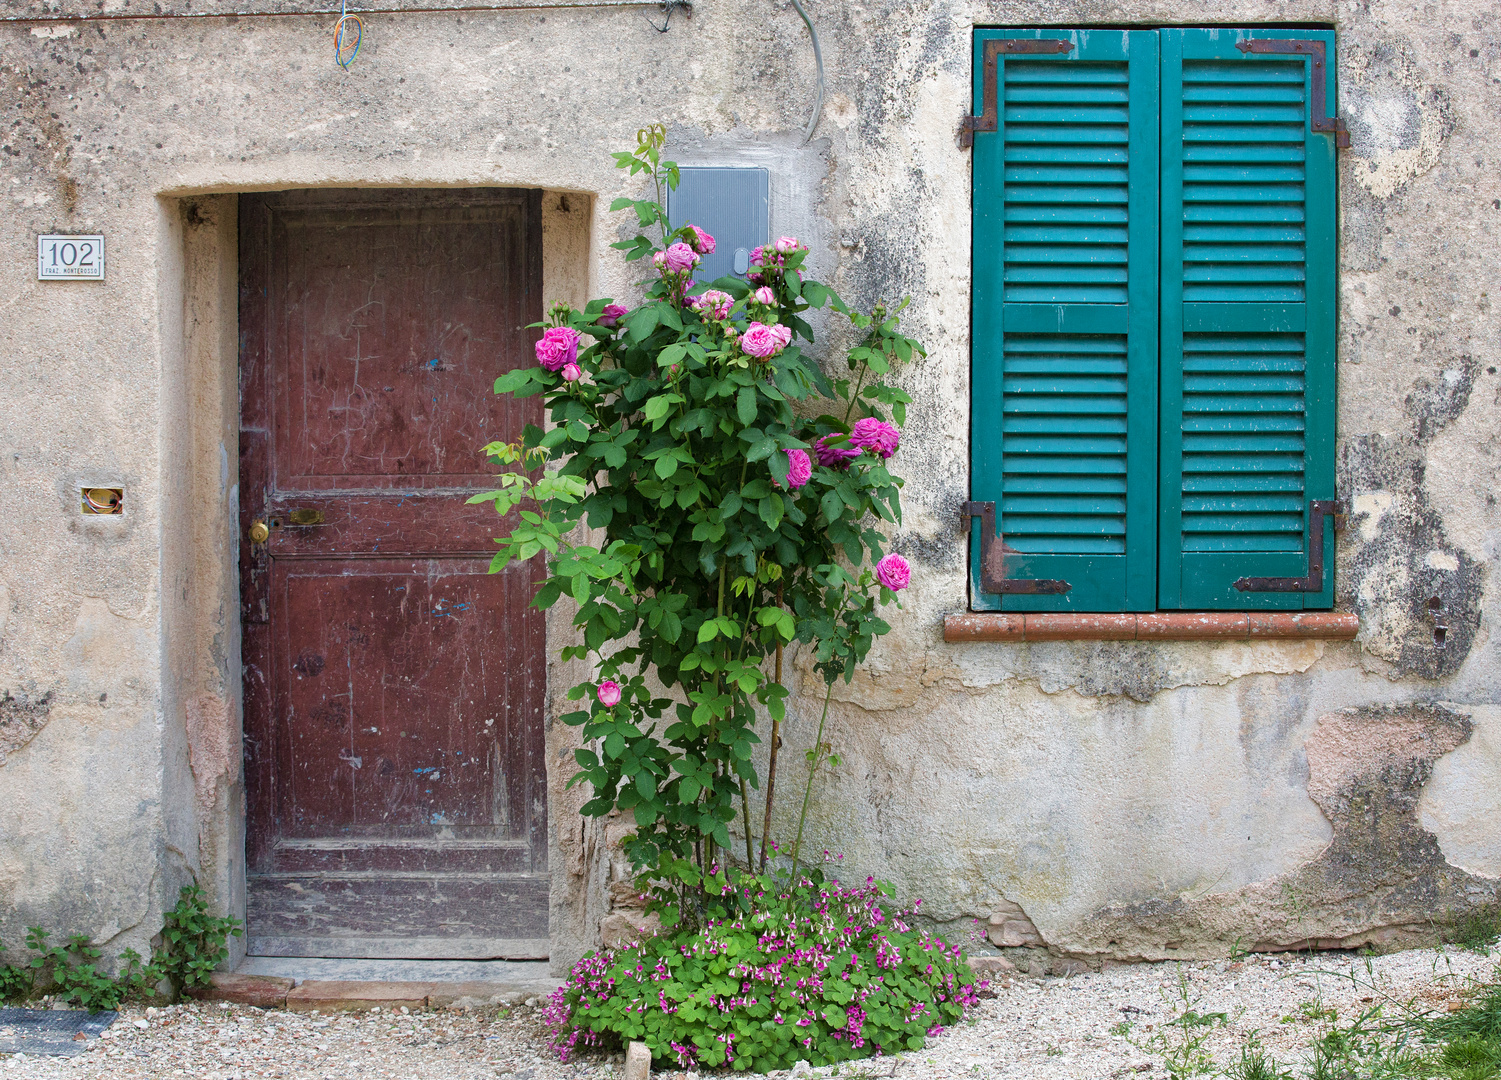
<point>394,689</point>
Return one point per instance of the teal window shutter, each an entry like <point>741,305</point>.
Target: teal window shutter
<point>1064,355</point>
<point>1248,318</point>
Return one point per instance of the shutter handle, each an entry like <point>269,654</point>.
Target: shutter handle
<point>993,577</point>
<point>1318,509</point>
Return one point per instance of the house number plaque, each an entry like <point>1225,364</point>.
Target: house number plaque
<point>64,257</point>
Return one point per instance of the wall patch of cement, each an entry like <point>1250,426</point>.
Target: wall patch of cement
<point>1462,803</point>
<point>1382,880</point>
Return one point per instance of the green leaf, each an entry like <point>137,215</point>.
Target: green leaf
<point>708,632</point>
<point>659,406</point>
<point>745,405</point>
<point>643,321</point>
<point>517,379</point>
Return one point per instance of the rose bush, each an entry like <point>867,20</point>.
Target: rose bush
<point>682,430</point>
<point>740,494</point>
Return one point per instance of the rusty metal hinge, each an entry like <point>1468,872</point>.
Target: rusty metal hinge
<point>1319,118</point>
<point>993,577</point>
<point>1318,509</point>
<point>988,119</point>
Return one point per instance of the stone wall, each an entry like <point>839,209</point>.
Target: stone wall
<point>1098,800</point>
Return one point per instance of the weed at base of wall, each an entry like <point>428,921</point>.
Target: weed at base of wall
<point>193,943</point>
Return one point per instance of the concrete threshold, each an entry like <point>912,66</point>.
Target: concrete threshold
<point>304,984</point>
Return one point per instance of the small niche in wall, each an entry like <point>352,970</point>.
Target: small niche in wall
<point>102,500</point>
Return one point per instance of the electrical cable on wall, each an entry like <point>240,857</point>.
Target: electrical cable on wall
<point>668,7</point>
<point>817,59</point>
<point>344,52</point>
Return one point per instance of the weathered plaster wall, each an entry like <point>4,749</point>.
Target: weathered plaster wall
<point>1097,799</point>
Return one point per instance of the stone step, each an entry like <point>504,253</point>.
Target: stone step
<point>328,995</point>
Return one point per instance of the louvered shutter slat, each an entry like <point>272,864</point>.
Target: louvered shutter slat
<point>1065,337</point>
<point>1247,375</point>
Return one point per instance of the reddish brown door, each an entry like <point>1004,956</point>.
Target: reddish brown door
<point>393,689</point>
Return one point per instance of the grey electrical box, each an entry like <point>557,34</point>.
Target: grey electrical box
<point>730,204</point>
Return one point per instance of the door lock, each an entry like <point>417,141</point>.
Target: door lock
<point>259,533</point>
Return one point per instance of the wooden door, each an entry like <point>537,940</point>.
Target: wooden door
<point>394,690</point>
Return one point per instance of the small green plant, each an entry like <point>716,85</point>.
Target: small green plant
<point>73,972</point>
<point>1181,1041</point>
<point>1254,1064</point>
<point>770,976</point>
<point>1479,1019</point>
<point>15,982</point>
<point>1480,932</point>
<point>1311,1012</point>
<point>193,944</point>
<point>194,941</point>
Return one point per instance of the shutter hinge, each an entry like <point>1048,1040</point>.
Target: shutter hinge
<point>993,550</point>
<point>988,119</point>
<point>1319,118</point>
<point>1318,509</point>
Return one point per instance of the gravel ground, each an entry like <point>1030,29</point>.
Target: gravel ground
<point>1033,1029</point>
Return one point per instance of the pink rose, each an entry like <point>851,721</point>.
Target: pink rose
<point>611,314</point>
<point>659,259</point>
<point>799,468</point>
<point>832,456</point>
<point>558,348</point>
<point>572,372</point>
<point>764,295</point>
<point>679,257</point>
<point>893,572</point>
<point>756,253</point>
<point>761,341</point>
<point>702,242</point>
<point>786,245</point>
<point>609,690</point>
<point>782,335</point>
<point>877,435</point>
<point>713,303</point>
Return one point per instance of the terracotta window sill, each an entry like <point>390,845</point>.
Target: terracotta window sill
<point>1158,626</point>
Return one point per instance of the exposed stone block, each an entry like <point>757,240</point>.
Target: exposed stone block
<point>1010,928</point>
<point>329,995</point>
<point>638,1062</point>
<point>262,991</point>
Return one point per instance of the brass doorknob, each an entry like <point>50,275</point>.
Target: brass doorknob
<point>259,534</point>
